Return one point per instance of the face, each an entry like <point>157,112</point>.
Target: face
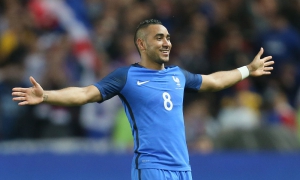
<point>157,44</point>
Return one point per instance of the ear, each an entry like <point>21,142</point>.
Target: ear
<point>141,44</point>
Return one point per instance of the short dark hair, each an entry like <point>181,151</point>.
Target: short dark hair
<point>142,25</point>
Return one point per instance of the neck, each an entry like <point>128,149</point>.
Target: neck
<point>152,65</point>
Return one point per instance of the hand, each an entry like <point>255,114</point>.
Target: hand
<point>259,67</point>
<point>29,96</point>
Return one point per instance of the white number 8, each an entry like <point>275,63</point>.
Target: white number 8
<point>167,101</point>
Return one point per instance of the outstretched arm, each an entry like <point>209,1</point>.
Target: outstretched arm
<point>223,79</point>
<point>71,96</point>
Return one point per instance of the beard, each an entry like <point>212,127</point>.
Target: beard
<point>157,58</point>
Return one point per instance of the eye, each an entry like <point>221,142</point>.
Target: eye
<point>159,38</point>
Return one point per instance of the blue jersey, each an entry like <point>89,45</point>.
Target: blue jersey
<point>153,102</point>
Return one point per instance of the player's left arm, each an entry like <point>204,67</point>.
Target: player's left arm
<point>224,79</point>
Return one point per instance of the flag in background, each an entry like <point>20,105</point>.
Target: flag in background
<point>70,15</point>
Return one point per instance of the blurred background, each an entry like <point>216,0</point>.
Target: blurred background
<point>248,131</point>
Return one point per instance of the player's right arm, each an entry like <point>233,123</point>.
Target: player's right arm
<point>71,96</point>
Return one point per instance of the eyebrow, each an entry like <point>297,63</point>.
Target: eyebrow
<point>161,34</point>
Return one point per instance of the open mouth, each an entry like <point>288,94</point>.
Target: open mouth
<point>165,52</point>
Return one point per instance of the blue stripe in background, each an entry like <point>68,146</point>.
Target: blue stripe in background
<point>89,166</point>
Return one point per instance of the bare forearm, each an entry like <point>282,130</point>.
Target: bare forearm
<point>71,96</point>
<point>226,79</point>
<point>220,80</point>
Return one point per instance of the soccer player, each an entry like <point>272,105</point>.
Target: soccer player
<point>152,95</point>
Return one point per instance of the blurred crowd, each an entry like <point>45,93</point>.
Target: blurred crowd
<point>65,43</point>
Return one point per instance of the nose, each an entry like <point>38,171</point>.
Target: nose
<point>167,43</point>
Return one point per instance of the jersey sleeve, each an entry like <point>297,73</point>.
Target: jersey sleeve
<point>113,83</point>
<point>193,81</point>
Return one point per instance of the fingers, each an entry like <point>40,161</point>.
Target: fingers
<point>20,94</point>
<point>267,58</point>
<point>23,103</point>
<point>260,53</point>
<point>268,63</point>
<point>268,68</point>
<point>25,96</point>
<point>19,89</point>
<point>22,99</point>
<point>33,81</point>
<point>19,98</point>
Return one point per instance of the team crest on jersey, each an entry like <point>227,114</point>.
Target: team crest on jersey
<point>176,80</point>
